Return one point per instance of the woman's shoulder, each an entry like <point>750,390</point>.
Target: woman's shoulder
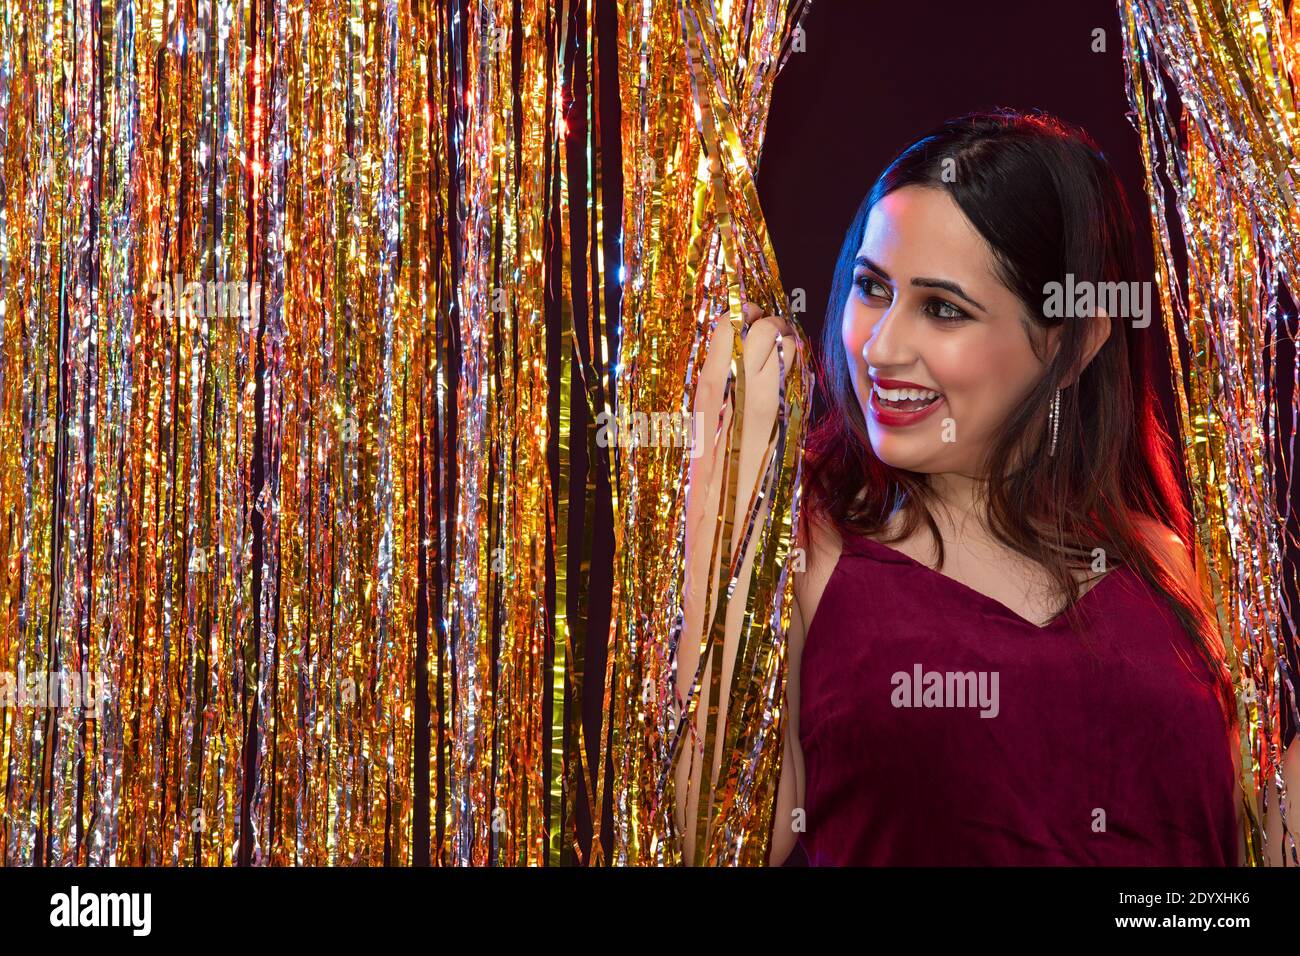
<point>1166,545</point>
<point>820,545</point>
<point>817,535</point>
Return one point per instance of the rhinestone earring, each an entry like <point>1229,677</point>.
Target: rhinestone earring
<point>1054,415</point>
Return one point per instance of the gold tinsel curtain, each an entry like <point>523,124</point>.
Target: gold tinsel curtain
<point>1212,88</point>
<point>696,83</point>
<point>306,346</point>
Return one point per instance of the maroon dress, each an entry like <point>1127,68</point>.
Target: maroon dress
<point>941,728</point>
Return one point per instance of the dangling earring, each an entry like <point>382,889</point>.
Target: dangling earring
<point>1054,415</point>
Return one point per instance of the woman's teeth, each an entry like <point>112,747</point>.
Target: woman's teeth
<point>905,399</point>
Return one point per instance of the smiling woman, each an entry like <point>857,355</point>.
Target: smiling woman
<point>968,335</point>
<point>1041,440</point>
<point>984,467</point>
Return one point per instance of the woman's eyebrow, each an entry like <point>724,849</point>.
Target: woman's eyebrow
<point>921,281</point>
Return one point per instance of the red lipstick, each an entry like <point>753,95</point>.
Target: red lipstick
<point>894,418</point>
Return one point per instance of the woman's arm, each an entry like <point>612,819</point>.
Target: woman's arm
<point>787,819</point>
<point>1276,852</point>
<point>762,399</point>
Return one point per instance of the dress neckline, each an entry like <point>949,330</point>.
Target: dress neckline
<point>898,557</point>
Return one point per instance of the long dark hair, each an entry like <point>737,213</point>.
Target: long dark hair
<point>1049,204</point>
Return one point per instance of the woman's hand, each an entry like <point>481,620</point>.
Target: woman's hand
<point>754,317</point>
<point>761,404</point>
<point>762,370</point>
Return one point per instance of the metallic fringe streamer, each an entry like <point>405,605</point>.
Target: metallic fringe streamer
<point>1226,152</point>
<point>696,247</point>
<point>276,431</point>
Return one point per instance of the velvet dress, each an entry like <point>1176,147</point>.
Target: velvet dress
<point>941,728</point>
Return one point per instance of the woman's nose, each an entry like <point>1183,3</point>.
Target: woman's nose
<point>887,345</point>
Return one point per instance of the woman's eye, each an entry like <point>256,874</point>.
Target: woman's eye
<point>940,309</point>
<point>945,311</point>
<point>866,282</point>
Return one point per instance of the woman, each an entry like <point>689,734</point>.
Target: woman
<point>999,653</point>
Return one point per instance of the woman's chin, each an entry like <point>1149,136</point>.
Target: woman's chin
<point>906,453</point>
<point>896,455</point>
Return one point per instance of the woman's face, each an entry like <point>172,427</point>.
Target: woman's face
<point>927,309</point>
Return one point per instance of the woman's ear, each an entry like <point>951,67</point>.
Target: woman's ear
<point>1098,331</point>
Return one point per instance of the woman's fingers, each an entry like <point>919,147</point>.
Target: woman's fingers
<point>752,313</point>
<point>760,338</point>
